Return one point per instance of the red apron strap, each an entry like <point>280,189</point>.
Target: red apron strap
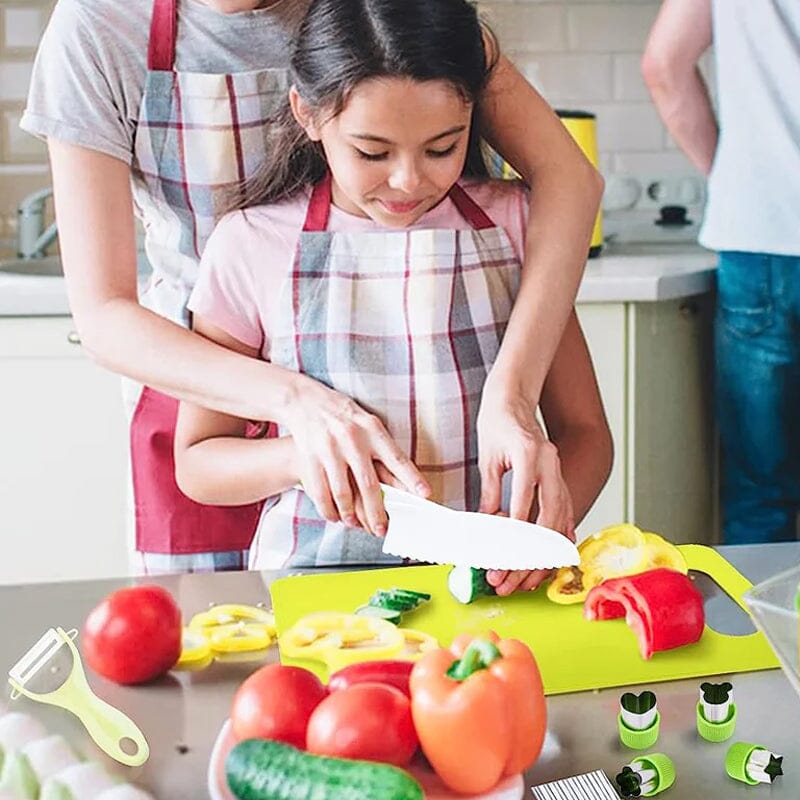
<point>163,32</point>
<point>319,207</point>
<point>469,209</point>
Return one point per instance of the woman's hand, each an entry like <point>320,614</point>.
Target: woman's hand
<point>340,448</point>
<point>510,438</point>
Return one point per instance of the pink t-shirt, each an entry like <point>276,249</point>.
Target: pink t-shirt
<point>250,253</point>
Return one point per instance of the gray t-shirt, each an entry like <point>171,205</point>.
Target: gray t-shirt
<point>90,70</point>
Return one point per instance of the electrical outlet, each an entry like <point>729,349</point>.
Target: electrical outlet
<point>650,192</point>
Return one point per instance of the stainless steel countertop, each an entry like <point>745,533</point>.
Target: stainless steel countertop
<point>184,711</point>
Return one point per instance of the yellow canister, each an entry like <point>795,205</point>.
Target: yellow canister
<point>582,125</point>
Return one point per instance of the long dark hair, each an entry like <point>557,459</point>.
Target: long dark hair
<point>343,42</point>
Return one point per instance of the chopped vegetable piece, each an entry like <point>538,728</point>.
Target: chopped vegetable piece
<point>468,583</point>
<point>662,607</point>
<point>389,614</point>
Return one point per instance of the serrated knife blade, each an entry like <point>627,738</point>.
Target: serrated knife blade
<point>426,531</point>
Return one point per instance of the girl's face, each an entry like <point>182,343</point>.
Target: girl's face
<point>395,149</point>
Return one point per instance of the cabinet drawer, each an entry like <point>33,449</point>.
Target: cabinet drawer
<point>39,337</point>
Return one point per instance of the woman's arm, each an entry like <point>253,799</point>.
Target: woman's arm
<point>565,195</point>
<point>214,463</point>
<point>331,432</point>
<point>577,426</point>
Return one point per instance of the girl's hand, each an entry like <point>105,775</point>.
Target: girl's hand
<point>517,580</point>
<point>510,438</point>
<point>339,447</point>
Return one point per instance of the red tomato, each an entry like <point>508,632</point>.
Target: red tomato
<point>134,635</point>
<point>275,702</point>
<point>369,721</point>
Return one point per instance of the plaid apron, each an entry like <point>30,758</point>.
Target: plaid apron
<point>198,137</point>
<point>408,324</point>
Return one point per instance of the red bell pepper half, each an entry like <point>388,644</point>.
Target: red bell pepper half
<point>662,607</point>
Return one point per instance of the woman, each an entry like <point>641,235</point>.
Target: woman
<point>162,106</point>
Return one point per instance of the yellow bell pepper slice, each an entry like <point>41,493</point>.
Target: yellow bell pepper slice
<point>611,553</point>
<point>662,553</point>
<point>196,652</point>
<point>338,639</point>
<point>238,637</point>
<point>229,613</point>
<point>416,644</point>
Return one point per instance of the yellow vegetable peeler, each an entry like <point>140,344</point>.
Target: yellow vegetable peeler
<point>108,726</point>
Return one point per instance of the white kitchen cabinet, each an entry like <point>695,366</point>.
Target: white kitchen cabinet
<point>654,366</point>
<point>63,456</point>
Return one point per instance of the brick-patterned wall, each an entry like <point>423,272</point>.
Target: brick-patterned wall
<point>23,159</point>
<point>578,53</point>
<point>585,54</point>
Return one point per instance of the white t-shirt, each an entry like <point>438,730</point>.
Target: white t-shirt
<point>754,186</point>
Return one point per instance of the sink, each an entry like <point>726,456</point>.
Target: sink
<point>47,266</point>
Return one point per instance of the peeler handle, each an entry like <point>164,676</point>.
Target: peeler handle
<point>109,727</point>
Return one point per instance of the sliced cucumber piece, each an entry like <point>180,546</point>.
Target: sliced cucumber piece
<point>468,583</point>
<point>384,599</point>
<point>389,614</point>
<point>419,597</point>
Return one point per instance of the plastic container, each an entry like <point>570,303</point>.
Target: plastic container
<point>774,605</point>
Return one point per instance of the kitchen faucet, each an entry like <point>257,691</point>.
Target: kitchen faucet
<point>32,237</point>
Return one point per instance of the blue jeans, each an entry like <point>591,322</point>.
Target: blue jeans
<point>758,395</point>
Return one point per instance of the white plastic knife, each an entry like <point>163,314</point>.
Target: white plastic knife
<point>427,531</point>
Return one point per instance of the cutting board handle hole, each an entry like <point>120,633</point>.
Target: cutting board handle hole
<point>725,614</point>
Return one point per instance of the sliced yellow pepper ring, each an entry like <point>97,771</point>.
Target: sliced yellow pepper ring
<point>612,552</point>
<point>616,551</point>
<point>339,639</point>
<point>662,553</point>
<point>196,652</point>
<point>238,637</point>
<point>416,644</point>
<point>230,612</point>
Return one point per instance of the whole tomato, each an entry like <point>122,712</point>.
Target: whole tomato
<point>275,702</point>
<point>370,721</point>
<point>134,635</point>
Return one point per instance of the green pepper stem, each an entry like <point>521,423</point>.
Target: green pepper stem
<point>479,655</point>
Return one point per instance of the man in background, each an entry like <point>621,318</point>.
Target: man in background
<point>750,151</point>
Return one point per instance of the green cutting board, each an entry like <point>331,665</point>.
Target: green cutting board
<point>573,654</point>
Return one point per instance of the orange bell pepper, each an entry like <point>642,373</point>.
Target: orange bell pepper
<point>479,710</point>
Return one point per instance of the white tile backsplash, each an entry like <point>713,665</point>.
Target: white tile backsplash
<point>23,27</point>
<point>604,28</point>
<point>527,27</point>
<point>585,54</point>
<point>629,86</point>
<point>571,77</point>
<point>14,79</point>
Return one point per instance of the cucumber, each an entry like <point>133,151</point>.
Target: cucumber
<point>418,597</point>
<point>389,614</point>
<point>384,599</point>
<point>468,583</point>
<point>260,769</point>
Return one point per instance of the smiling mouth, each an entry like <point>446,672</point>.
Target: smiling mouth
<point>400,208</point>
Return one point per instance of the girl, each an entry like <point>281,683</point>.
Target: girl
<point>365,258</point>
<point>160,106</point>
